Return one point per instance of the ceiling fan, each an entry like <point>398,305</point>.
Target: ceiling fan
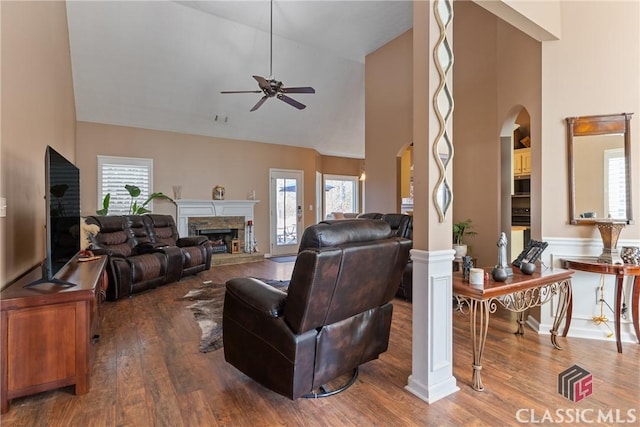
<point>271,87</point>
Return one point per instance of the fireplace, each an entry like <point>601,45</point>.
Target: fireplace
<point>226,233</point>
<point>213,218</point>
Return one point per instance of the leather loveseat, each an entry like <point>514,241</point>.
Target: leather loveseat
<point>145,252</point>
<point>335,316</point>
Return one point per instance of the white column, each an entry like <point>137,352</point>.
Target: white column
<point>432,358</point>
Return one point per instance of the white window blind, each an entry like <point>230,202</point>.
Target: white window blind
<point>116,172</point>
<point>615,187</point>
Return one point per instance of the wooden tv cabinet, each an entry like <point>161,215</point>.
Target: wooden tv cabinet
<point>48,331</point>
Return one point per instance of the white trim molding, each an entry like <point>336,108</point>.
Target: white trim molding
<point>432,377</point>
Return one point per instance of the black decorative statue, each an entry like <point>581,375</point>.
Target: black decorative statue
<point>467,264</point>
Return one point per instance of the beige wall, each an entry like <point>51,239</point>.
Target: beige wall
<point>388,120</point>
<point>592,69</point>
<point>199,163</point>
<point>38,109</point>
<point>496,73</point>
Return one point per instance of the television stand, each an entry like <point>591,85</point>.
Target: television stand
<point>50,282</point>
<point>49,332</point>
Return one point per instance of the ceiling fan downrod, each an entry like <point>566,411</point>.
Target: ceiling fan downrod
<point>272,88</point>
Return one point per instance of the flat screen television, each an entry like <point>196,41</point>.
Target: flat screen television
<point>62,200</point>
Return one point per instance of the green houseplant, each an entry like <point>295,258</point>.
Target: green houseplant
<point>461,230</point>
<point>135,208</point>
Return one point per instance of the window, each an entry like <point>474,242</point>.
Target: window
<point>116,172</point>
<point>615,198</point>
<point>340,194</point>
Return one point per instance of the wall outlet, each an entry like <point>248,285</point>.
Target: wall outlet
<point>3,207</point>
<point>311,207</point>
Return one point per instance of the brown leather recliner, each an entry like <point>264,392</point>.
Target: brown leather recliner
<point>402,226</point>
<point>335,316</point>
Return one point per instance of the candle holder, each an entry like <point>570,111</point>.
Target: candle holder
<point>248,245</point>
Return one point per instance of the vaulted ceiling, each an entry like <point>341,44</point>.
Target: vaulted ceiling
<point>162,64</point>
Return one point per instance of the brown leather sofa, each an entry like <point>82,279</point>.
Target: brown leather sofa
<point>145,252</point>
<point>335,316</point>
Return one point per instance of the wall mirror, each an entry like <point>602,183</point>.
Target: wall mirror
<point>599,168</point>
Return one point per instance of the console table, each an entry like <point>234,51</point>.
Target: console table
<point>618,270</point>
<point>518,293</point>
<point>48,331</point>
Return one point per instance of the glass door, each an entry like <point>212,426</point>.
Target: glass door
<point>286,197</point>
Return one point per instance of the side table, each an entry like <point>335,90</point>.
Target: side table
<point>618,270</point>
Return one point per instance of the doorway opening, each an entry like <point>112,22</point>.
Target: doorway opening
<point>515,177</point>
<point>286,213</point>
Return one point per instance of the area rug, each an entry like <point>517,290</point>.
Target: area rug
<point>207,310</point>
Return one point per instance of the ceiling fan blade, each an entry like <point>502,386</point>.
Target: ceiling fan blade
<point>241,91</point>
<point>298,90</point>
<point>262,82</point>
<point>255,107</point>
<point>291,102</point>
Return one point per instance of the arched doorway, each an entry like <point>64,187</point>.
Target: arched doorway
<point>515,178</point>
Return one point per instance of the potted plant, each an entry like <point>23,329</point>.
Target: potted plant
<point>460,231</point>
<point>134,207</point>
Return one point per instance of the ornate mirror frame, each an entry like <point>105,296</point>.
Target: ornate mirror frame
<point>612,124</point>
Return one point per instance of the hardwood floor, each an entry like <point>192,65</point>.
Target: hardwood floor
<point>149,372</point>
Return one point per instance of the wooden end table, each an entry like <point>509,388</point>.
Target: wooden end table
<point>518,293</point>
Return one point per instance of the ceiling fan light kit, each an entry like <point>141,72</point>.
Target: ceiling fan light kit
<point>272,88</point>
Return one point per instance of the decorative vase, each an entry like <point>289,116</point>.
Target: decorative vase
<point>218,192</point>
<point>527,268</point>
<point>460,251</point>
<point>499,274</point>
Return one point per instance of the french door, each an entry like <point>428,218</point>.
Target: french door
<point>286,213</point>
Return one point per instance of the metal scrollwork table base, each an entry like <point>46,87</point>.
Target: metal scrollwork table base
<point>519,293</point>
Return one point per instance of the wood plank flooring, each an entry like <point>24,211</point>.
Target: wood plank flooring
<point>148,372</point>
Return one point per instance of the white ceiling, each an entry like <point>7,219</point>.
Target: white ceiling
<point>162,64</point>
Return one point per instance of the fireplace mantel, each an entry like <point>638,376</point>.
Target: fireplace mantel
<point>201,208</point>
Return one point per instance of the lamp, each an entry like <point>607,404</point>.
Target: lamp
<point>363,176</point>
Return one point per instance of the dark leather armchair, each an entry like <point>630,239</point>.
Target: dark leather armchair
<point>194,250</point>
<point>402,226</point>
<point>370,215</point>
<point>335,316</point>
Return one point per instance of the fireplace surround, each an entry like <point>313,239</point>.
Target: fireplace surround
<point>194,216</point>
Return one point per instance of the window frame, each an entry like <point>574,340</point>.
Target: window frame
<point>124,161</point>
<point>354,179</point>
